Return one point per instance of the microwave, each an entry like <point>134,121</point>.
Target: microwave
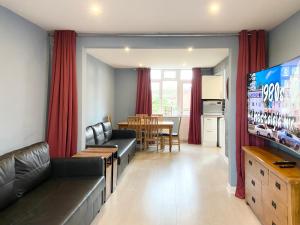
<point>213,107</point>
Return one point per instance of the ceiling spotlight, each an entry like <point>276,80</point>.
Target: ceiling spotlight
<point>141,65</point>
<point>184,64</point>
<point>190,49</point>
<point>127,49</point>
<point>95,9</point>
<point>214,8</point>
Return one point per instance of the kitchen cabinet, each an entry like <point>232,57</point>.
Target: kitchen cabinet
<point>210,131</point>
<point>213,87</point>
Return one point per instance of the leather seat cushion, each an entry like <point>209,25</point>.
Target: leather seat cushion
<point>167,134</point>
<point>53,202</point>
<point>107,130</point>
<point>7,178</point>
<point>32,165</point>
<point>99,134</point>
<point>123,145</point>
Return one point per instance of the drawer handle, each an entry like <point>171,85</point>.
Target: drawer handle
<point>273,223</point>
<point>250,162</point>
<point>253,182</point>
<point>274,205</point>
<point>277,185</point>
<point>262,172</point>
<point>253,199</point>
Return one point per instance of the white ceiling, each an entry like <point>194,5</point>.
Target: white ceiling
<point>160,58</point>
<point>152,16</point>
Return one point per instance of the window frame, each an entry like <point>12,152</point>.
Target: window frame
<point>180,83</point>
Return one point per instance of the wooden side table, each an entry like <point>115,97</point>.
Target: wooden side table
<point>112,151</point>
<point>108,168</point>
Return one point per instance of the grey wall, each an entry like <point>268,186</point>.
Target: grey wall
<point>23,81</point>
<point>221,66</point>
<point>284,45</point>
<point>230,42</point>
<point>284,41</point>
<point>99,91</point>
<point>125,94</point>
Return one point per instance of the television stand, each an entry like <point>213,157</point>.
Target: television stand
<point>273,193</point>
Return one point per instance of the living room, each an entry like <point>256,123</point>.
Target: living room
<point>98,117</point>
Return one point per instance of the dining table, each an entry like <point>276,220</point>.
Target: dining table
<point>163,125</point>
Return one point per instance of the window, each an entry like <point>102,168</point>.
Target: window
<point>171,92</point>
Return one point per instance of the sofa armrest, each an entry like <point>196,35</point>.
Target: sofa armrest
<point>101,146</point>
<point>123,134</point>
<point>77,167</point>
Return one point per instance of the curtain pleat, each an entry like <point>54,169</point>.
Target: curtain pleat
<point>194,136</point>
<point>63,106</point>
<point>144,94</point>
<point>251,58</point>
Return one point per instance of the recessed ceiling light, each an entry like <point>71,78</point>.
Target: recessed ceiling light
<point>95,9</point>
<point>184,64</point>
<point>141,65</point>
<point>127,49</point>
<point>214,8</point>
<point>190,49</point>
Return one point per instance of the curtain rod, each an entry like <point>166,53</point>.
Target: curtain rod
<point>154,34</point>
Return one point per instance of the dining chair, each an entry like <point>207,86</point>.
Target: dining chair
<point>151,132</point>
<point>141,115</point>
<point>175,132</point>
<point>159,116</point>
<point>135,123</point>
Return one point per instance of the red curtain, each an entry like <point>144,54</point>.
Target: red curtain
<point>62,114</point>
<point>144,94</point>
<point>252,57</point>
<point>196,108</point>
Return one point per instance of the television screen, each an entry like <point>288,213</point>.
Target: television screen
<point>274,104</point>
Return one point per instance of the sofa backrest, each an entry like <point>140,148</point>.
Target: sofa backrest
<point>32,165</point>
<point>7,180</point>
<point>99,134</point>
<point>89,136</point>
<point>107,128</point>
<point>22,170</point>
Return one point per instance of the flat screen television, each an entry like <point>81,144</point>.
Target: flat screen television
<point>274,104</point>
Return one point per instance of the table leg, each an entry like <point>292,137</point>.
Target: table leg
<point>170,139</point>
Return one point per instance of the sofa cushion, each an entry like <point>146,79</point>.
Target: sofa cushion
<point>124,145</point>
<point>32,165</point>
<point>89,136</point>
<point>7,178</point>
<point>107,130</point>
<point>55,202</point>
<point>99,134</point>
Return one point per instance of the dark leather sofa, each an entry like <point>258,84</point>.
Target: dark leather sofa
<point>102,135</point>
<point>35,190</point>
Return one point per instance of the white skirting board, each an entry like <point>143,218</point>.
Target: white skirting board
<point>231,189</point>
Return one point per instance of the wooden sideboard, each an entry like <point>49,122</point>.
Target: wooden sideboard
<point>273,193</point>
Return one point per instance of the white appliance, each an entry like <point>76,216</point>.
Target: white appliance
<point>213,107</point>
<point>210,131</point>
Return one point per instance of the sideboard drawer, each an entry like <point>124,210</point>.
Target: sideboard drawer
<point>273,205</point>
<point>253,184</point>
<point>278,188</point>
<point>250,166</point>
<point>262,173</point>
<point>271,219</point>
<point>254,201</point>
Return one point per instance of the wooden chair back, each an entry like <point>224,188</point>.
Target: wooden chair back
<point>141,115</point>
<point>135,123</point>
<point>159,116</point>
<point>151,128</point>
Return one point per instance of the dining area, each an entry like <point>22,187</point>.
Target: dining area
<point>154,131</point>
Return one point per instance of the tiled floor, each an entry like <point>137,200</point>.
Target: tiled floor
<point>178,188</point>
